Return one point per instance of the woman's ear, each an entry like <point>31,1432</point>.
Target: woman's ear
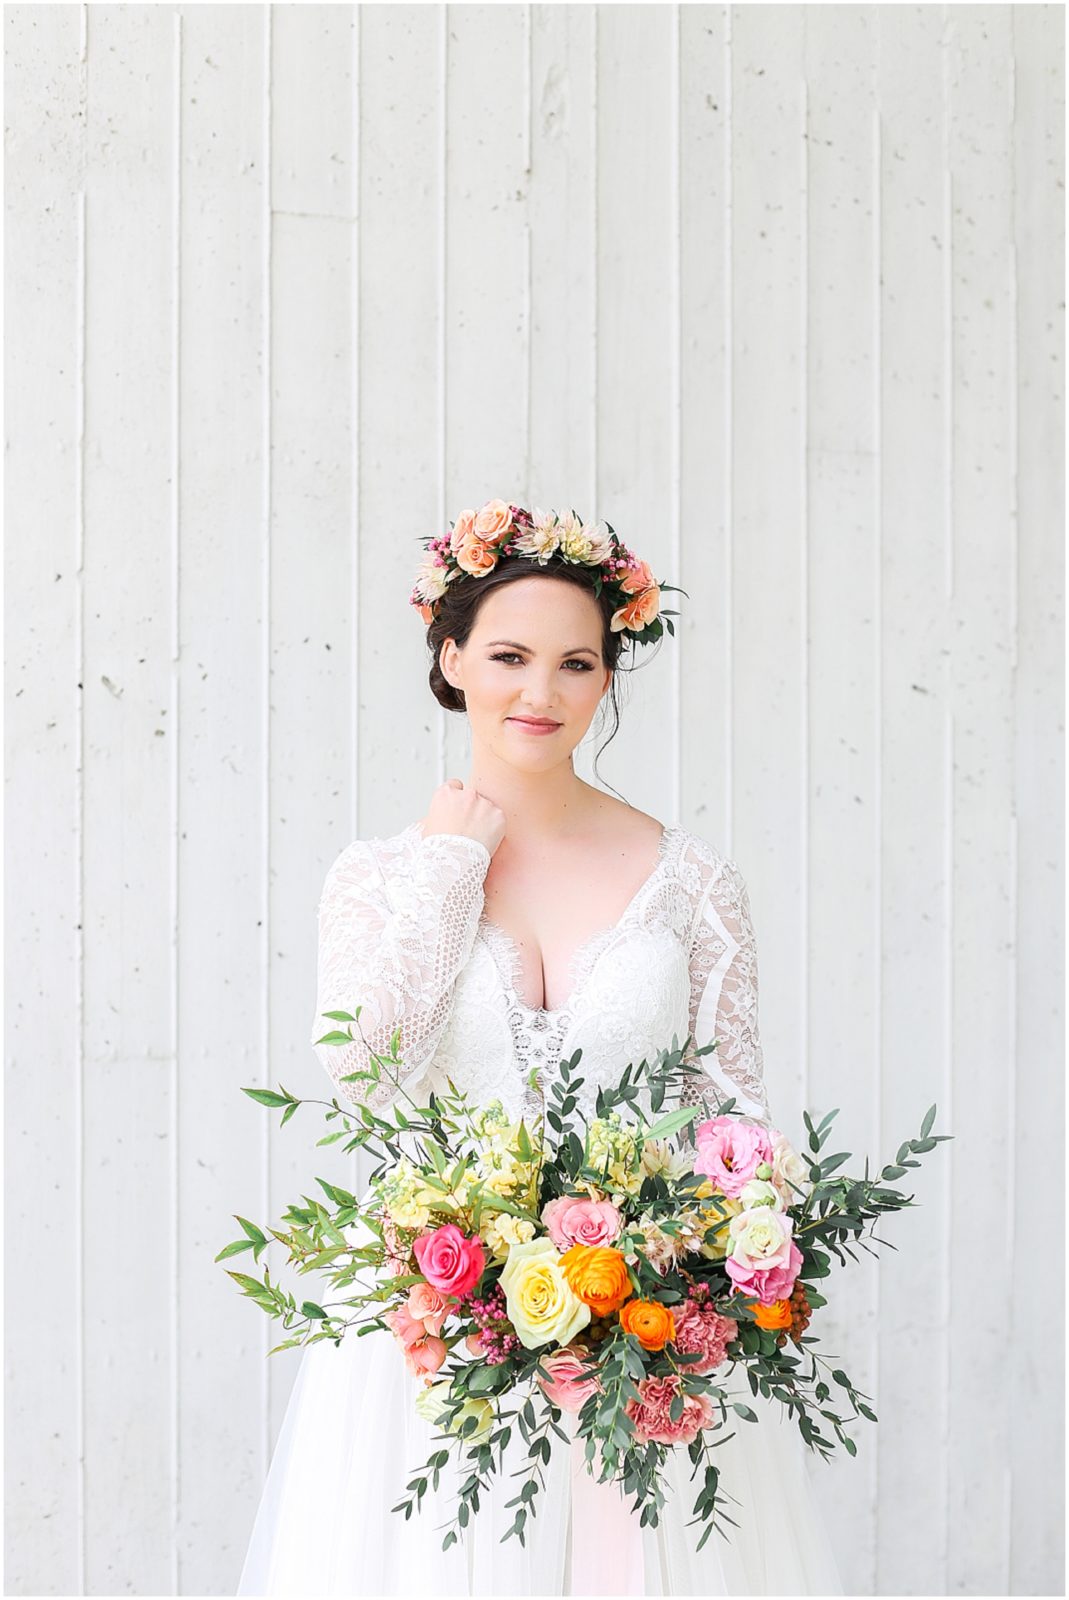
<point>448,660</point>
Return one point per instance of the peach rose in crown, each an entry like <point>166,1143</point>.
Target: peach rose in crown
<point>637,612</point>
<point>636,578</point>
<point>476,558</point>
<point>463,528</point>
<point>493,523</point>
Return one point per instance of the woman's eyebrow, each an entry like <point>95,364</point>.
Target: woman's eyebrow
<point>582,649</point>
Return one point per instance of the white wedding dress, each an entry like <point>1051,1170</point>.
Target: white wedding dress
<point>403,933</point>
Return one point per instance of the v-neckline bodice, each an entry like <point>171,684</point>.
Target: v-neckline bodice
<point>583,957</point>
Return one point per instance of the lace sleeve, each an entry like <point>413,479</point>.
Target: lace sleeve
<point>723,995</point>
<point>395,928</point>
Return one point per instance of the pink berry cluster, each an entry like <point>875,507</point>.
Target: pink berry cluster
<point>496,1337</point>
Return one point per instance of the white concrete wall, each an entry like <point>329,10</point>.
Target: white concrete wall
<point>778,291</point>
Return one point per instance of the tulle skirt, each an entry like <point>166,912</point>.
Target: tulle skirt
<point>351,1439</point>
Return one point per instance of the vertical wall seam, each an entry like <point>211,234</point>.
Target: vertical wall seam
<point>356,818</point>
<point>880,723</point>
<point>81,291</point>
<point>728,557</point>
<point>175,788</point>
<point>357,238</point>
<point>1013,623</point>
<point>265,706</point>
<point>595,223</point>
<point>528,285</point>
<point>805,830</point>
<point>948,763</point>
<point>443,224</point>
<point>676,465</point>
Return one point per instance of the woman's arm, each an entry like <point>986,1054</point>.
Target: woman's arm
<point>394,932</point>
<point>723,993</point>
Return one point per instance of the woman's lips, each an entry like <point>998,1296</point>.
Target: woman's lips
<point>534,727</point>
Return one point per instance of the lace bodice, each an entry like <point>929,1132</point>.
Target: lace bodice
<point>404,935</point>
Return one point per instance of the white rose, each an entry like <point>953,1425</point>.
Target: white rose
<point>760,1192</point>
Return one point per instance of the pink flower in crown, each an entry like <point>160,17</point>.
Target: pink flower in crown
<point>730,1151</point>
<point>652,1416</point>
<point>450,1261</point>
<point>569,1220</point>
<point>567,1379</point>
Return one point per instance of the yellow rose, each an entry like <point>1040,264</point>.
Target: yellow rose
<point>718,1237</point>
<point>541,1306</point>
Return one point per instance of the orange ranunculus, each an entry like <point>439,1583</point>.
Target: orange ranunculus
<point>475,557</point>
<point>775,1315</point>
<point>493,523</point>
<point>652,1323</point>
<point>597,1275</point>
<point>637,612</point>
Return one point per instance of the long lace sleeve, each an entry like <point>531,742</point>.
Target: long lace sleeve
<point>723,993</point>
<point>396,925</point>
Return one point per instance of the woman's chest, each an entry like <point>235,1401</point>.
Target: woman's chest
<point>628,993</point>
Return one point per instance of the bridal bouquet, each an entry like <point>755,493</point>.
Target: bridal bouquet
<point>623,1267</point>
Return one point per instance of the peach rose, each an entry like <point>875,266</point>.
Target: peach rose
<point>652,1323</point>
<point>426,1355</point>
<point>634,579</point>
<point>637,612</point>
<point>493,523</point>
<point>427,613</point>
<point>463,528</point>
<point>429,1306</point>
<point>597,1275</point>
<point>475,557</point>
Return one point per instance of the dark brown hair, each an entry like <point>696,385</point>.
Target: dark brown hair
<point>459,607</point>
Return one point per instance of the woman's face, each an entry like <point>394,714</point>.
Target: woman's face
<point>534,653</point>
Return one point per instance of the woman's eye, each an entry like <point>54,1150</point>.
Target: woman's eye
<point>510,655</point>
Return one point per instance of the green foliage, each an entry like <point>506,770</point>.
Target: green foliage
<point>487,1408</point>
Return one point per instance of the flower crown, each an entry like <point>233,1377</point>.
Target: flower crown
<point>478,540</point>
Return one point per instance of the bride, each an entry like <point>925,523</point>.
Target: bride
<point>527,914</point>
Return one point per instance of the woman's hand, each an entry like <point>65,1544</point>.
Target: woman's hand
<point>457,808</point>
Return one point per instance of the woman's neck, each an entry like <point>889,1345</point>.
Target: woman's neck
<point>537,805</point>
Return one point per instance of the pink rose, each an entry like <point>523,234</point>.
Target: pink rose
<point>729,1152</point>
<point>569,1221</point>
<point>426,1355</point>
<point>568,1380</point>
<point>448,1260</point>
<point>652,1412</point>
<point>429,1306</point>
<point>768,1280</point>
